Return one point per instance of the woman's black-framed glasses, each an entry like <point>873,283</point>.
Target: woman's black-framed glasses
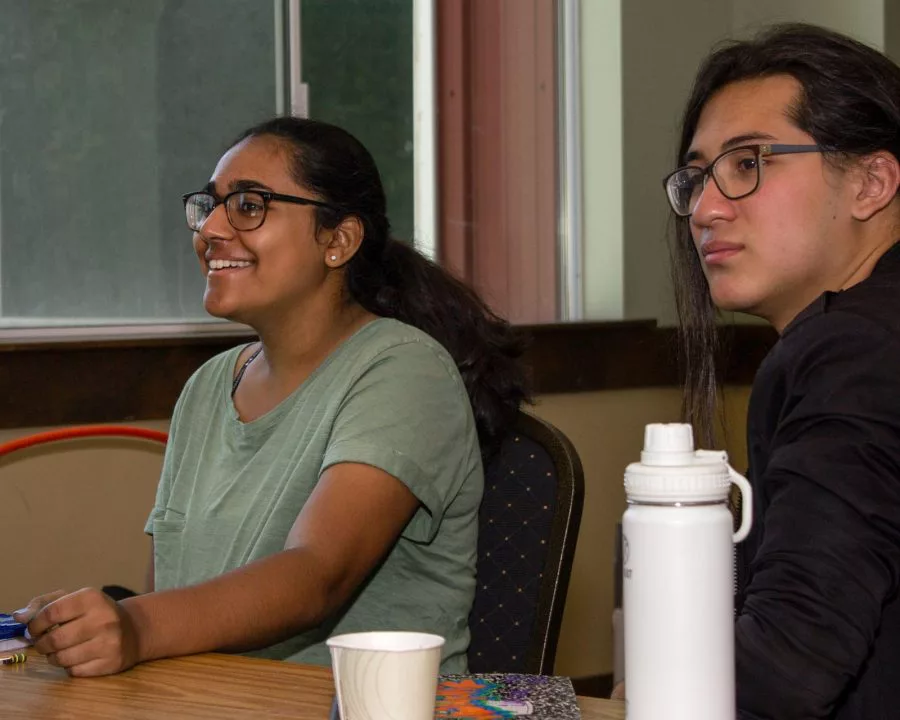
<point>246,209</point>
<point>736,172</point>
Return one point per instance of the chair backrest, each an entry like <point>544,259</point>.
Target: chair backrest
<point>73,503</point>
<point>528,527</point>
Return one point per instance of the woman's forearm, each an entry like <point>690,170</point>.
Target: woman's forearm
<point>350,522</point>
<point>248,608</point>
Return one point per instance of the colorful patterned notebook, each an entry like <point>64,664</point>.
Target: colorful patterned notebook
<point>501,696</point>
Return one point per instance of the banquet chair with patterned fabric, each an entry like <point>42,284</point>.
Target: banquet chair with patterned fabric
<point>528,526</point>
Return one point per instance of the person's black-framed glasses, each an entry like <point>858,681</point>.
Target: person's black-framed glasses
<point>736,172</point>
<point>246,209</point>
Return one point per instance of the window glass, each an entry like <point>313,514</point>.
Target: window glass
<point>357,63</point>
<point>109,111</point>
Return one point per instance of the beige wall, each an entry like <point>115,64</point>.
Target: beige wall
<point>73,514</point>
<point>862,19</point>
<point>662,45</point>
<point>601,152</point>
<point>607,429</point>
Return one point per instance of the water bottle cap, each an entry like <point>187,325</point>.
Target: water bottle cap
<point>668,444</point>
<point>671,471</point>
<point>706,479</point>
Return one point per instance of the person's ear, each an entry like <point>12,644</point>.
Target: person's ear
<point>877,182</point>
<point>343,241</point>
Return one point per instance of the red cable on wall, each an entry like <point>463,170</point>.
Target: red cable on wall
<point>82,431</point>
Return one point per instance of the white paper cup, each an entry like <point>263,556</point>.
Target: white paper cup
<point>386,675</point>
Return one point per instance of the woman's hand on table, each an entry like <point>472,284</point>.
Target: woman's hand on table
<point>85,632</point>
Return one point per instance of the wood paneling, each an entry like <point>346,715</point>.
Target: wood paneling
<point>92,382</point>
<point>122,381</point>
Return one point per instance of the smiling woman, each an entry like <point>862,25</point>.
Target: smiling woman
<point>327,478</point>
<point>280,253</point>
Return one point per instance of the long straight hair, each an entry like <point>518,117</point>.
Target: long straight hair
<point>849,103</point>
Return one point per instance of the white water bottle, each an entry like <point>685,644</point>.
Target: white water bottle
<point>678,579</point>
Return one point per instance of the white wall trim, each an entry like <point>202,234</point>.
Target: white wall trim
<point>571,275</point>
<point>425,129</point>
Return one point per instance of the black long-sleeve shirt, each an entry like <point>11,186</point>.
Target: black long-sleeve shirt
<point>818,630</point>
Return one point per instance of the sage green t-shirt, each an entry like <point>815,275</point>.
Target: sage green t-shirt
<point>390,396</point>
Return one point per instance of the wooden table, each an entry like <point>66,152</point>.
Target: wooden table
<point>202,686</point>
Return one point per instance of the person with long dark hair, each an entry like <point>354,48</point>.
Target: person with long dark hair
<point>327,478</point>
<point>786,208</point>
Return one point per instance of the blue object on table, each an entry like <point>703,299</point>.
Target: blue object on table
<point>9,628</point>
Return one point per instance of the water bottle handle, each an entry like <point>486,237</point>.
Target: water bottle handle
<point>746,504</point>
